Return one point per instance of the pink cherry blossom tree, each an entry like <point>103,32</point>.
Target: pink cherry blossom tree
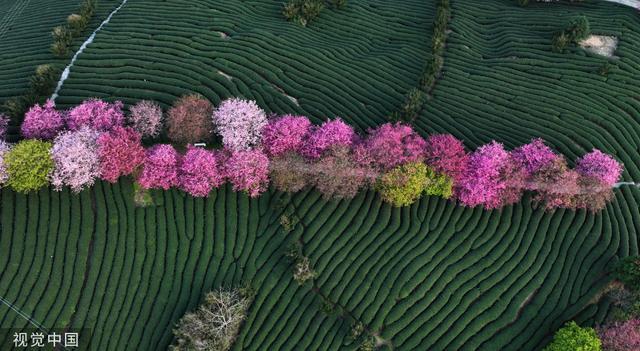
<point>621,336</point>
<point>75,159</point>
<point>42,122</point>
<point>248,171</point>
<point>100,115</point>
<point>240,123</point>
<point>446,154</point>
<point>390,145</point>
<point>533,156</point>
<point>601,166</point>
<point>329,134</point>
<point>284,134</point>
<point>120,153</point>
<point>201,171</point>
<point>160,169</point>
<point>146,118</point>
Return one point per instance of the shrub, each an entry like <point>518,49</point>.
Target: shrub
<point>438,184</point>
<point>412,105</point>
<point>579,29</point>
<point>120,153</point>
<point>42,122</point>
<point>446,154</point>
<point>160,170</point>
<point>4,175</point>
<point>404,184</point>
<point>201,171</point>
<point>62,37</point>
<point>97,114</point>
<point>628,272</point>
<point>533,156</point>
<point>28,165</point>
<point>337,176</point>
<point>329,134</point>
<point>146,118</point>
<point>215,324</point>
<point>290,172</point>
<point>560,42</point>
<point>240,123</point>
<point>284,134</point>
<point>302,271</point>
<point>601,166</point>
<point>4,126</point>
<point>77,23</point>
<point>572,337</point>
<point>189,120</point>
<point>391,145</point>
<point>621,336</point>
<point>248,171</point>
<point>75,158</point>
<point>43,80</point>
<point>485,181</point>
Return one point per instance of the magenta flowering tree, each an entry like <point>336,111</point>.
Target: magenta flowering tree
<point>446,154</point>
<point>146,118</point>
<point>533,156</point>
<point>100,115</point>
<point>160,169</point>
<point>201,170</point>
<point>42,122</point>
<point>4,176</point>
<point>240,123</point>
<point>75,159</point>
<point>284,134</point>
<point>248,171</point>
<point>488,180</point>
<point>621,336</point>
<point>391,145</point>
<point>329,134</point>
<point>4,126</point>
<point>601,166</point>
<point>120,153</point>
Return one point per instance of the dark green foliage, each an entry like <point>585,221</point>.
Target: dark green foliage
<point>523,2</point>
<point>628,272</point>
<point>41,85</point>
<point>304,12</point>
<point>579,29</point>
<point>412,106</point>
<point>560,42</point>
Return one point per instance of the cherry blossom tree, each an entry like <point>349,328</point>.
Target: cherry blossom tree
<point>248,171</point>
<point>160,169</point>
<point>189,120</point>
<point>4,149</point>
<point>533,156</point>
<point>284,134</point>
<point>240,123</point>
<point>120,153</point>
<point>42,122</point>
<point>446,154</point>
<point>75,159</point>
<point>391,145</point>
<point>4,126</point>
<point>621,336</point>
<point>601,166</point>
<point>330,133</point>
<point>201,171</point>
<point>146,118</point>
<point>100,115</point>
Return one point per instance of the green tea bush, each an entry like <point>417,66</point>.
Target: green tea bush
<point>28,165</point>
<point>572,337</point>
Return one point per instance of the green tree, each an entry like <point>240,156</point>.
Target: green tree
<point>28,165</point>
<point>572,337</point>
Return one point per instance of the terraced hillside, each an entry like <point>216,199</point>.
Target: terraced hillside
<point>431,276</point>
<point>357,62</point>
<point>25,38</point>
